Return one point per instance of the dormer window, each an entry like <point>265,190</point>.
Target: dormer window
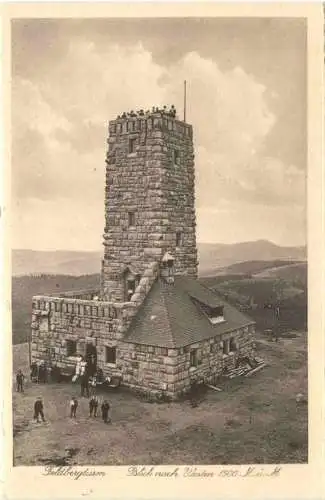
<point>214,314</point>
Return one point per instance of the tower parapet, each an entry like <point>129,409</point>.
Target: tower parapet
<point>157,119</point>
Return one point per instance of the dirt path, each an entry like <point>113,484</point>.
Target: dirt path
<point>254,419</point>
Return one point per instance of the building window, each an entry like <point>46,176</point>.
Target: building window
<point>110,355</point>
<point>226,347</point>
<point>179,238</point>
<point>71,348</point>
<point>132,144</point>
<point>130,288</point>
<point>193,357</point>
<point>176,156</point>
<point>233,345</point>
<point>131,218</point>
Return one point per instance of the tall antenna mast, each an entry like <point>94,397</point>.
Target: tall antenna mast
<point>184,100</point>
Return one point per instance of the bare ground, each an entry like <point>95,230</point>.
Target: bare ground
<point>254,420</point>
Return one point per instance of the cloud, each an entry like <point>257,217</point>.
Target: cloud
<point>57,224</point>
<point>243,222</point>
<point>60,126</point>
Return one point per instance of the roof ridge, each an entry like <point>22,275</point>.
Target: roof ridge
<point>163,295</point>
<point>140,308</point>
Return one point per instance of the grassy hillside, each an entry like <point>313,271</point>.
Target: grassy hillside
<point>256,296</point>
<point>297,273</point>
<point>258,266</point>
<point>24,287</point>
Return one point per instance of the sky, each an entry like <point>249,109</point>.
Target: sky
<point>246,92</point>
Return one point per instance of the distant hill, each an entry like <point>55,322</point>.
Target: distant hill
<point>55,262</point>
<point>212,258</point>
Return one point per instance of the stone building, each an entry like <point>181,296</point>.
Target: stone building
<point>150,321</point>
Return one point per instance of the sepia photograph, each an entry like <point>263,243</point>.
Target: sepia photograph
<point>159,241</point>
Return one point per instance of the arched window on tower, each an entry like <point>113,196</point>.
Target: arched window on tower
<point>167,268</point>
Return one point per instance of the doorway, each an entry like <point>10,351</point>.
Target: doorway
<point>91,359</point>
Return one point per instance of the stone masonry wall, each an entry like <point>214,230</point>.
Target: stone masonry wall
<point>211,360</point>
<point>145,368</point>
<point>58,320</point>
<point>149,197</point>
<point>156,369</point>
<point>75,316</point>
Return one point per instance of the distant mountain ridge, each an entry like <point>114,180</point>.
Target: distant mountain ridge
<point>212,258</point>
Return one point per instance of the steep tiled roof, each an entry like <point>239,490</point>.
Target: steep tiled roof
<point>169,317</point>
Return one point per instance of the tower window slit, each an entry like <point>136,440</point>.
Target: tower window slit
<point>131,218</point>
<point>179,238</point>
<point>132,145</point>
<point>176,156</point>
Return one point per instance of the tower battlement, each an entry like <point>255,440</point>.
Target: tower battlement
<point>147,122</point>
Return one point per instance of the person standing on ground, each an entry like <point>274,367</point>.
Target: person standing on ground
<point>39,409</point>
<point>20,377</point>
<point>73,407</point>
<point>105,410</point>
<point>93,406</point>
<point>84,384</point>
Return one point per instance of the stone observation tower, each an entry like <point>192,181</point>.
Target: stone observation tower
<point>150,322</point>
<point>149,199</point>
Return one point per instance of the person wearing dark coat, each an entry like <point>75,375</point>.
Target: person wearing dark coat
<point>20,377</point>
<point>39,410</point>
<point>42,373</point>
<point>93,406</point>
<point>105,410</point>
